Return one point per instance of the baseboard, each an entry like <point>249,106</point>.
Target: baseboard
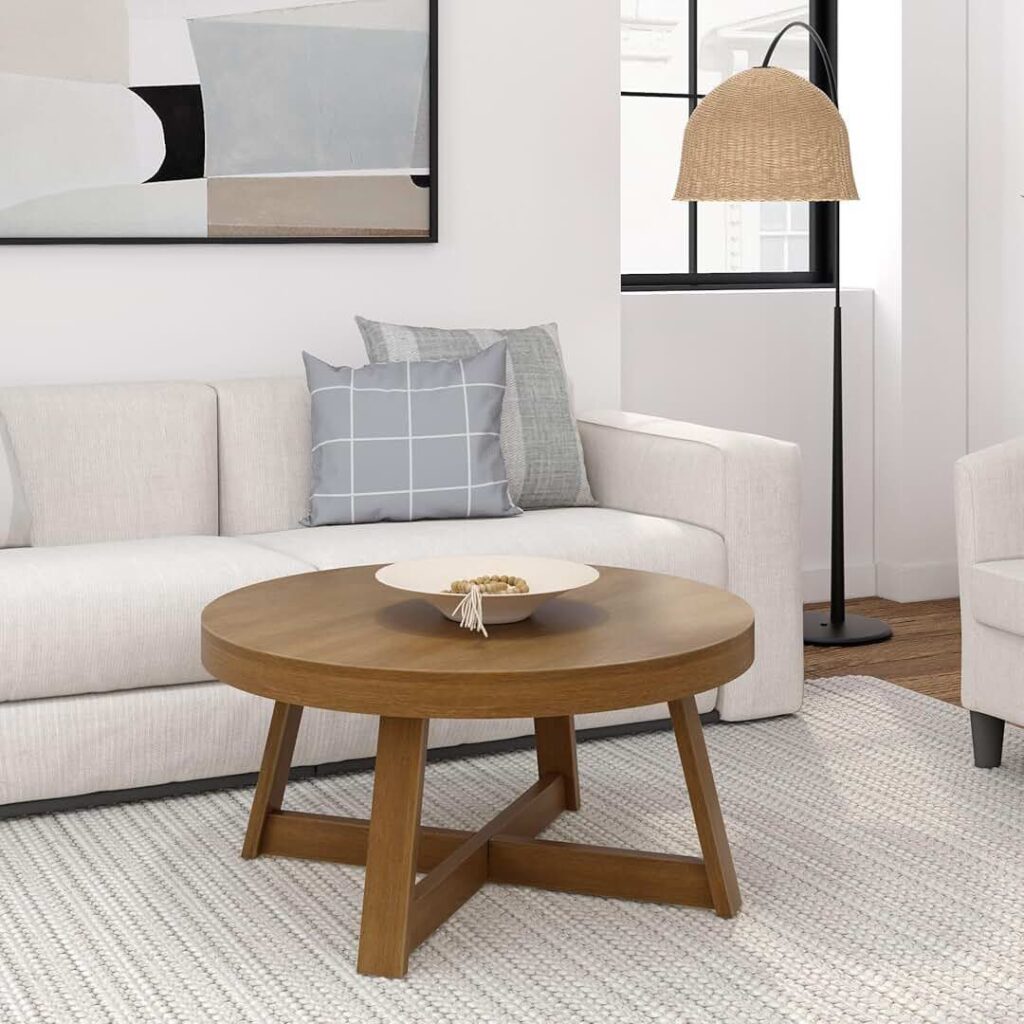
<point>860,582</point>
<point>172,789</point>
<point>923,581</point>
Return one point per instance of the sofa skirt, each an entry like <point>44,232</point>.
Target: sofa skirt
<point>128,739</point>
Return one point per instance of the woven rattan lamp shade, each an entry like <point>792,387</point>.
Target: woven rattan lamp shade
<point>766,135</point>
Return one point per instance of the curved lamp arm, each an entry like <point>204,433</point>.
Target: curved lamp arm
<point>830,71</point>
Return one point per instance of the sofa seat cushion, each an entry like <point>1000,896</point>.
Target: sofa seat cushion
<point>598,535</point>
<point>997,594</point>
<point>119,615</point>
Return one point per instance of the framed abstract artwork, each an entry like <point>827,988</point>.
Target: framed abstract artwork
<point>218,121</point>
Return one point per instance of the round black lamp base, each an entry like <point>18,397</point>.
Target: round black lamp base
<point>852,632</point>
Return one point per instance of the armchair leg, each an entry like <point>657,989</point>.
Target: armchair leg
<point>987,734</point>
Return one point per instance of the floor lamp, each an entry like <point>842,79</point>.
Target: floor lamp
<point>768,135</point>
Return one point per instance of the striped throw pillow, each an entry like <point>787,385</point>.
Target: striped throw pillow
<point>539,438</point>
<point>15,523</point>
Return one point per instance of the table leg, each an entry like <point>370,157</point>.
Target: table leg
<point>556,752</point>
<point>277,760</point>
<point>385,932</point>
<point>707,813</point>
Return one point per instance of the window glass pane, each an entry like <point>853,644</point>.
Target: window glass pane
<point>654,228</point>
<point>747,237</point>
<point>773,217</point>
<point>773,253</point>
<point>734,35</point>
<point>655,45</point>
<point>797,256</point>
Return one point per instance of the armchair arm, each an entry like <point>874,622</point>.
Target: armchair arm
<point>990,504</point>
<point>744,487</point>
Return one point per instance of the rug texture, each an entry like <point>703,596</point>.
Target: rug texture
<point>882,878</point>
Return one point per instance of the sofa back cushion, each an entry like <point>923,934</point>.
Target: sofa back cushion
<point>15,522</point>
<point>115,461</point>
<point>265,460</point>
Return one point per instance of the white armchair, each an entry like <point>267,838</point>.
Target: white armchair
<point>747,489</point>
<point>990,543</point>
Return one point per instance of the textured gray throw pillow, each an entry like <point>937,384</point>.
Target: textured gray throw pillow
<point>539,438</point>
<point>15,522</point>
<point>409,440</point>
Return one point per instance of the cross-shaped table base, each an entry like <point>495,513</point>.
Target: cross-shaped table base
<point>399,912</point>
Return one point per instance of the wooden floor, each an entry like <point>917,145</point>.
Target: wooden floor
<point>923,655</point>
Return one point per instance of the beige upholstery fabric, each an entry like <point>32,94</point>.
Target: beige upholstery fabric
<point>746,489</point>
<point>114,616</point>
<point>990,486</point>
<point>992,673</point>
<point>600,535</point>
<point>997,594</point>
<point>990,545</point>
<point>264,454</point>
<point>115,461</point>
<point>15,521</point>
<point>81,621</point>
<point>84,744</point>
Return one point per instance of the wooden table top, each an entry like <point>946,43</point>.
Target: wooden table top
<point>339,639</point>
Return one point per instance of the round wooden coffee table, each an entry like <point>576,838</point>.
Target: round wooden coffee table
<point>340,640</point>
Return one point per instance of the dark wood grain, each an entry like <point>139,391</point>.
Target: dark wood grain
<point>513,858</point>
<point>340,640</point>
<point>343,641</point>
<point>707,814</point>
<point>385,935</point>
<point>339,840</point>
<point>923,655</point>
<point>556,752</point>
<point>600,871</point>
<point>448,885</point>
<point>277,758</point>
<point>398,915</point>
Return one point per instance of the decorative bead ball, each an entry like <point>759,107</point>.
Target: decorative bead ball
<point>494,585</point>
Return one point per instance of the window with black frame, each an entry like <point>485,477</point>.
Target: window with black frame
<point>673,53</point>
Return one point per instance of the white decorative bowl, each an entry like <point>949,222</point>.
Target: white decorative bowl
<point>429,578</point>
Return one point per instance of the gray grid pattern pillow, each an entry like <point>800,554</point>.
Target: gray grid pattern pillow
<point>539,438</point>
<point>15,521</point>
<point>410,440</point>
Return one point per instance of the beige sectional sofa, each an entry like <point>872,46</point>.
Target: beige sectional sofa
<point>149,500</point>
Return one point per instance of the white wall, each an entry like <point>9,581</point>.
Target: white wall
<point>761,361</point>
<point>904,88</point>
<point>529,165</point>
<point>996,247</point>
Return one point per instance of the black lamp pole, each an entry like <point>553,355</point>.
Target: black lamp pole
<point>835,628</point>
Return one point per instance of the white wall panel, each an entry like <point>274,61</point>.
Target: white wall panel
<point>528,173</point>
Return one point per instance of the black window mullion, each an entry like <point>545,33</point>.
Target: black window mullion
<point>822,220</point>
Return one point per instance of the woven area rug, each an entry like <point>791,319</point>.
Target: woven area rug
<point>882,877</point>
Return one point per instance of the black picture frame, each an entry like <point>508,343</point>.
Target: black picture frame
<point>430,238</point>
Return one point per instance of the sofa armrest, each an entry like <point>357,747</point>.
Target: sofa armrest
<point>744,487</point>
<point>990,504</point>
